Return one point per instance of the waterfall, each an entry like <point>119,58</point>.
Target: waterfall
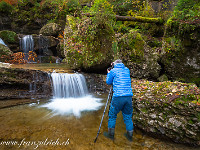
<point>68,85</point>
<point>2,42</point>
<point>71,95</point>
<point>27,43</point>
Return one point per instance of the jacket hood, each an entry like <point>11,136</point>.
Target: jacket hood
<point>119,65</point>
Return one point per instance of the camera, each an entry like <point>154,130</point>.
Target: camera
<point>112,66</point>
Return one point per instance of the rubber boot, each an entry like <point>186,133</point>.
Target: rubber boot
<point>129,135</point>
<point>110,134</point>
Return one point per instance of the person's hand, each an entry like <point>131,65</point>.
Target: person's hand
<point>108,70</point>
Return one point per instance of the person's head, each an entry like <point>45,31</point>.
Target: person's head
<point>117,61</point>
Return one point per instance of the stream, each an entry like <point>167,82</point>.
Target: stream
<point>30,125</point>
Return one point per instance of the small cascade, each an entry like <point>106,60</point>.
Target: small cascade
<point>70,95</point>
<point>33,86</point>
<point>2,42</point>
<point>69,85</point>
<point>27,43</point>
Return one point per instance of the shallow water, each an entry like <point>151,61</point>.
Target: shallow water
<point>49,67</point>
<point>32,127</point>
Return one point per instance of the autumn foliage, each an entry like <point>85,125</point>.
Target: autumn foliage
<point>20,58</point>
<point>11,2</point>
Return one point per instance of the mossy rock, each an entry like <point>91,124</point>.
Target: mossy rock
<point>132,44</point>
<point>50,29</point>
<point>92,51</point>
<point>140,58</point>
<point>9,37</point>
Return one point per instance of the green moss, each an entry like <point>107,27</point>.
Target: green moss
<point>185,17</point>
<point>8,36</point>
<point>132,45</point>
<point>150,20</point>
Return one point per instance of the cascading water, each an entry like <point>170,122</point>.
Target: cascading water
<point>69,85</point>
<point>70,95</point>
<point>27,43</point>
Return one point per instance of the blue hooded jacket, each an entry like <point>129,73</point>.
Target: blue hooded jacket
<point>119,77</point>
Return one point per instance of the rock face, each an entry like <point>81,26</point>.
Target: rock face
<point>32,84</point>
<point>23,83</point>
<point>181,60</point>
<point>96,83</point>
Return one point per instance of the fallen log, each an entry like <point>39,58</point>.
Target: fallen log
<point>136,18</point>
<point>139,19</point>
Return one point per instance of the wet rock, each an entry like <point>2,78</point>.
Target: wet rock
<point>96,83</point>
<point>24,83</point>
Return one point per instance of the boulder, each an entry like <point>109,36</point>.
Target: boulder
<point>51,29</point>
<point>91,52</point>
<point>11,39</point>
<point>167,109</point>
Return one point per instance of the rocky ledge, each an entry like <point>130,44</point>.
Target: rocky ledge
<point>24,83</point>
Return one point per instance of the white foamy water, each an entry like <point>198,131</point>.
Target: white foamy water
<point>74,106</point>
<point>70,95</point>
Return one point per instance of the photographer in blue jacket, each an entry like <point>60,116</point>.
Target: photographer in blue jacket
<point>119,78</point>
